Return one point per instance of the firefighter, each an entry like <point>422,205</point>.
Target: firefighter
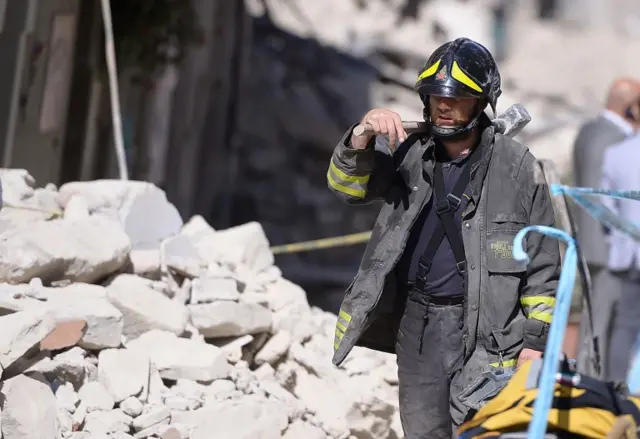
<point>437,284</point>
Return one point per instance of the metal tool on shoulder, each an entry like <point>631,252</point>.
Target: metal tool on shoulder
<point>509,123</point>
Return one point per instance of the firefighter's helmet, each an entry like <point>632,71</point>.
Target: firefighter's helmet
<point>461,68</point>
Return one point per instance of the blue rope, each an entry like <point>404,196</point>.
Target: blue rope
<point>598,210</point>
<point>551,361</point>
<point>557,189</point>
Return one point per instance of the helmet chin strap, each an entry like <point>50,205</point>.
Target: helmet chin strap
<point>454,133</point>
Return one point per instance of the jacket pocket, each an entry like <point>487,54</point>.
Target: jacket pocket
<point>508,339</point>
<point>501,231</point>
<point>505,346</point>
<point>484,389</point>
<point>502,348</point>
<point>507,221</point>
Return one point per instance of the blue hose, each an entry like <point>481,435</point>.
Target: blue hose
<point>551,361</point>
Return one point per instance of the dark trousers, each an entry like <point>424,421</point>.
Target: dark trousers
<point>607,288</point>
<point>626,326</point>
<point>430,355</point>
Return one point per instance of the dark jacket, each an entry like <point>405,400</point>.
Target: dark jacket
<point>509,304</point>
<point>594,138</point>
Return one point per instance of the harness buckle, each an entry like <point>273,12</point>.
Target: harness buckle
<point>423,269</point>
<point>462,267</point>
<point>443,206</point>
<point>454,202</point>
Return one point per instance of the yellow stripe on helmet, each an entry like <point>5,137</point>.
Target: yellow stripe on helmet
<point>430,71</point>
<point>460,76</point>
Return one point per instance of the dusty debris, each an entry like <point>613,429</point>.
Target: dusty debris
<point>203,338</point>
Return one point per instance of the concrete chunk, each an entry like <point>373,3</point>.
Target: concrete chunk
<point>229,420</point>
<point>146,262</point>
<point>78,301</point>
<point>64,421</point>
<point>144,308</point>
<point>152,416</point>
<point>142,208</point>
<point>112,421</point>
<point>169,432</point>
<point>77,208</point>
<point>81,250</point>
<point>149,218</point>
<point>178,358</point>
<point>179,254</point>
<point>131,406</point>
<point>95,397</point>
<point>209,289</point>
<point>197,225</point>
<point>67,398</point>
<point>300,429</point>
<point>153,431</point>
<point>123,372</point>
<point>245,244</point>
<point>105,322</point>
<point>29,411</point>
<point>22,331</point>
<point>230,319</point>
<point>283,293</point>
<point>274,349</point>
<point>65,335</point>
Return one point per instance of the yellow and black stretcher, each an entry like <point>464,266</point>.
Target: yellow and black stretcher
<point>583,407</point>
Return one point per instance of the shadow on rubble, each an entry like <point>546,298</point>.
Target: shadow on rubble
<point>301,97</point>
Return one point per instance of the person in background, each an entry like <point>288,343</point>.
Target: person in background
<point>621,171</point>
<point>612,126</point>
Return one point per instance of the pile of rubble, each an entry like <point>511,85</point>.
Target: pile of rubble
<point>120,321</point>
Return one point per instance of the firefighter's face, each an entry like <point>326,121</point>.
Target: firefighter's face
<point>451,112</point>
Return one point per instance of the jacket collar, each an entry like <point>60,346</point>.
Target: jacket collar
<point>426,143</point>
<point>479,170</point>
<point>486,142</point>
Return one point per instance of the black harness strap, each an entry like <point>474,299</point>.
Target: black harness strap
<point>446,206</point>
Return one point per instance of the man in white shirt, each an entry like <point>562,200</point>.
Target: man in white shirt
<point>612,126</point>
